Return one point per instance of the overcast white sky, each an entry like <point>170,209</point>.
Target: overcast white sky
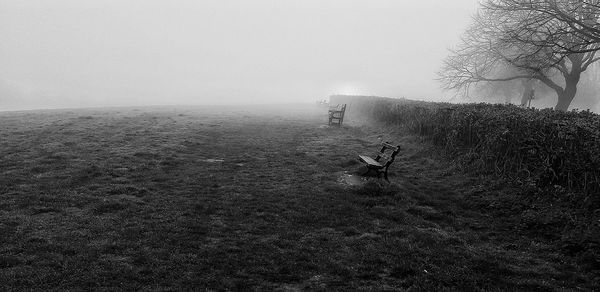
<point>69,53</point>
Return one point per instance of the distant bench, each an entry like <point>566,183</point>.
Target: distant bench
<point>383,160</point>
<point>336,114</point>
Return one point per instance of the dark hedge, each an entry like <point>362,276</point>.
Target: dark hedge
<point>547,147</point>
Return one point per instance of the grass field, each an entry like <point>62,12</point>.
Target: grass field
<point>233,198</point>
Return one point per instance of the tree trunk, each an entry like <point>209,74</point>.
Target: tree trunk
<point>564,100</point>
<point>565,97</point>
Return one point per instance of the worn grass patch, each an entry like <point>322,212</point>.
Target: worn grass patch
<point>249,199</point>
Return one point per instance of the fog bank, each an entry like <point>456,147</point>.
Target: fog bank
<point>70,53</point>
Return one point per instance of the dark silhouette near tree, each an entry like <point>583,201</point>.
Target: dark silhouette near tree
<point>528,93</point>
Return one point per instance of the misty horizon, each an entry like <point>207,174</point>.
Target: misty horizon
<point>111,53</point>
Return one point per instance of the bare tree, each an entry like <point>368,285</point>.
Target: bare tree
<point>506,43</point>
<point>578,18</point>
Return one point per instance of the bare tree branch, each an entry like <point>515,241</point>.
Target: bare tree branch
<point>527,39</point>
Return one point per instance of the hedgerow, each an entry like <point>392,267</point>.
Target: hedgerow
<point>546,147</point>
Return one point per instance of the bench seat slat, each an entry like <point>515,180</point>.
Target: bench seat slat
<point>370,161</point>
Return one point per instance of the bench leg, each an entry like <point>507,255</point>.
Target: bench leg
<point>385,174</point>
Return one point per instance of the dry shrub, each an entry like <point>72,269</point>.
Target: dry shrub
<point>546,147</point>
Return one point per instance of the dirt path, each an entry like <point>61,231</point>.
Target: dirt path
<point>245,199</point>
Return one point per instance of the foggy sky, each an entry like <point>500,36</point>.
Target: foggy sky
<point>73,53</point>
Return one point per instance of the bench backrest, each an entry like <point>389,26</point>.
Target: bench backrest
<point>338,111</point>
<point>389,156</point>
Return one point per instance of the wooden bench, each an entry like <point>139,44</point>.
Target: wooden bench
<point>336,114</point>
<point>383,160</point>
